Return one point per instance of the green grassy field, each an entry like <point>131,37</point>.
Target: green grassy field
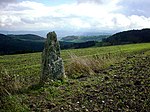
<point>22,62</point>
<point>83,91</point>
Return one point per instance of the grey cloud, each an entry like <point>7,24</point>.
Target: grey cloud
<point>6,1</point>
<point>135,7</point>
<point>17,8</point>
<point>92,1</point>
<point>12,5</point>
<point>28,20</point>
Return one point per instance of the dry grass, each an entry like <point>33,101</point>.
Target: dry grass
<point>88,65</point>
<point>8,83</point>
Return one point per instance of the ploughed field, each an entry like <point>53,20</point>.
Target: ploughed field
<point>114,78</point>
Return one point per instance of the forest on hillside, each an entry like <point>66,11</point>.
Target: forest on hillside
<point>128,37</point>
<point>14,44</point>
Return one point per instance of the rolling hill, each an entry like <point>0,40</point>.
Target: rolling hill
<point>14,44</point>
<point>131,36</point>
<point>28,37</point>
<point>78,39</point>
<point>20,44</point>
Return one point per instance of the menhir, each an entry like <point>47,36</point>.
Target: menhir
<point>52,63</point>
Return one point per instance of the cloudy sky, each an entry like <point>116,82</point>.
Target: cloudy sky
<point>74,15</point>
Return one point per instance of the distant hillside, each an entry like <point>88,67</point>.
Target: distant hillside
<point>84,38</point>
<point>131,36</point>
<point>28,37</point>
<point>73,45</point>
<point>4,37</point>
<point>70,38</point>
<point>14,44</point>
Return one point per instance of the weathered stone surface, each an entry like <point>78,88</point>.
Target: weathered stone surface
<point>52,63</point>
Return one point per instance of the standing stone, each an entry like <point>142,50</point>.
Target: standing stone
<point>52,63</point>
